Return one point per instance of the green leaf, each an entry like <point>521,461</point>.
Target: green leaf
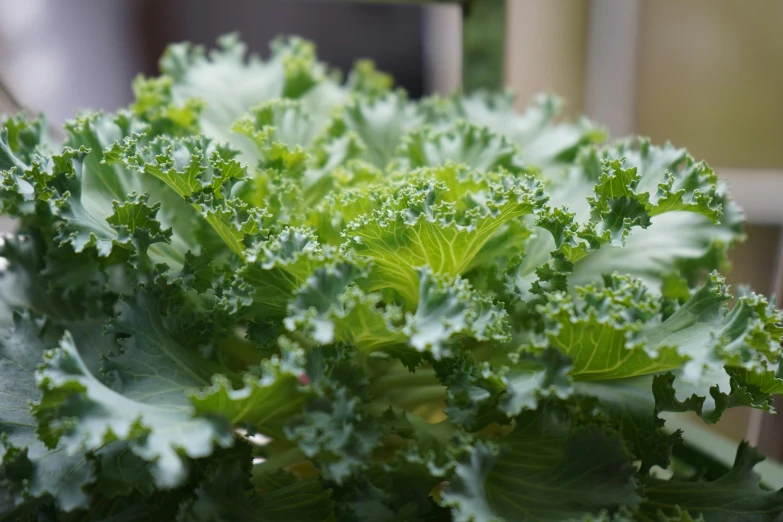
<point>265,402</point>
<point>330,217</point>
<point>281,131</point>
<point>135,223</point>
<point>420,225</point>
<point>529,379</point>
<point>692,219</point>
<point>407,386</point>
<point>203,174</point>
<point>542,141</point>
<point>380,123</point>
<point>87,187</point>
<point>543,470</point>
<point>363,321</point>
<point>464,143</point>
<point>147,406</point>
<point>448,307</point>
<point>155,105</point>
<point>631,408</point>
<point>716,390</point>
<point>21,141</point>
<point>602,331</point>
<point>29,469</point>
<point>337,428</point>
<point>280,121</point>
<point>310,309</point>
<point>734,496</point>
<point>228,85</point>
<point>328,309</point>
<point>391,494</point>
<point>366,79</point>
<point>673,211</point>
<point>745,337</point>
<point>609,332</point>
<point>225,495</point>
<point>274,270</point>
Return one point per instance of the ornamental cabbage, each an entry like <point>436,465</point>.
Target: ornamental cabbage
<point>262,293</point>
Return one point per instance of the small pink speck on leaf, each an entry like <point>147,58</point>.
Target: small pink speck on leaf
<point>435,493</point>
<point>304,380</point>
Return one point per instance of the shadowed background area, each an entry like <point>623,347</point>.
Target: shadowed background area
<point>94,49</point>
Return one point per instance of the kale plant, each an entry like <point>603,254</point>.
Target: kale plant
<point>262,293</point>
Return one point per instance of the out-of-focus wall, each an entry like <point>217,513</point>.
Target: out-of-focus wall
<point>710,76</point>
<point>60,57</point>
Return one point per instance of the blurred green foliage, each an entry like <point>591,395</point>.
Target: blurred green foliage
<point>483,44</point>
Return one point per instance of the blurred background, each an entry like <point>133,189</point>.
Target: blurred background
<point>704,74</point>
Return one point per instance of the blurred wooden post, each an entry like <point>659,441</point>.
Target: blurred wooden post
<point>442,48</point>
<point>612,50</point>
<point>545,50</point>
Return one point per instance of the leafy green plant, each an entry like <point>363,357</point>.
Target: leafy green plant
<point>261,293</point>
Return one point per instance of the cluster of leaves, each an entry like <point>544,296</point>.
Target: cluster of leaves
<point>261,293</point>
